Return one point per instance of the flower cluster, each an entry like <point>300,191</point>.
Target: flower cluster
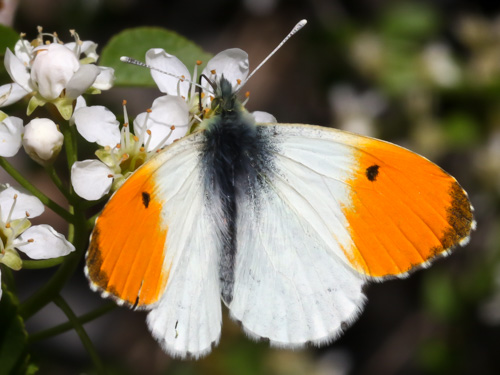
<point>45,70</point>
<point>171,117</point>
<point>17,234</point>
<point>51,71</point>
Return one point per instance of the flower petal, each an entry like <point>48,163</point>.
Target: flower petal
<point>46,244</point>
<point>17,70</point>
<point>158,58</point>
<point>11,131</point>
<point>98,124</point>
<point>23,50</point>
<point>83,78</point>
<point>26,203</point>
<point>105,79</point>
<point>167,111</point>
<point>232,63</point>
<point>263,117</point>
<point>90,179</point>
<point>11,93</point>
<point>87,47</point>
<point>53,67</point>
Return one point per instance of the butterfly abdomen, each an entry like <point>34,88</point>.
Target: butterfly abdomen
<point>233,158</point>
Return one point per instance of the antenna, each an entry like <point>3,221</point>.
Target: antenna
<point>297,27</point>
<point>130,60</point>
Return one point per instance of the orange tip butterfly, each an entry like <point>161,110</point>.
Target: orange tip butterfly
<point>283,222</point>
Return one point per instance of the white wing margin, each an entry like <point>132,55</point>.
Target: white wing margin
<point>293,284</point>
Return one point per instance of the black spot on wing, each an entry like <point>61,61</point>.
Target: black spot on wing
<point>146,198</point>
<point>372,172</point>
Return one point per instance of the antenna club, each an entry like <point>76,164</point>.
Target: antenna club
<point>124,58</point>
<point>296,28</point>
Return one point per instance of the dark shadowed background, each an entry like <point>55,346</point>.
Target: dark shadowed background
<point>422,74</point>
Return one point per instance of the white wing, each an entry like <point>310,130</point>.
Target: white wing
<point>335,209</point>
<point>293,284</point>
<point>185,315</point>
<point>188,317</point>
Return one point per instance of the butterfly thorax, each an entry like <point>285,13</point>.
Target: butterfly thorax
<point>234,156</point>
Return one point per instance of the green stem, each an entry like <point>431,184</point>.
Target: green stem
<point>39,264</point>
<point>91,221</point>
<point>70,144</point>
<point>64,327</point>
<point>84,338</point>
<point>8,278</point>
<point>52,288</point>
<point>37,193</point>
<point>57,181</point>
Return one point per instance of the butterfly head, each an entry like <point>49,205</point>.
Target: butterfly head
<point>225,99</point>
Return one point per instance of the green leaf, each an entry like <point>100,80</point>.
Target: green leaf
<point>136,42</point>
<point>13,336</point>
<point>8,39</point>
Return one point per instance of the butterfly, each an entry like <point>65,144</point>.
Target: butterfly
<point>285,223</point>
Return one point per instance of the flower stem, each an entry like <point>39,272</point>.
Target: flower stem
<point>39,264</point>
<point>70,144</point>
<point>33,190</point>
<point>64,327</point>
<point>57,181</point>
<point>84,338</point>
<point>51,289</point>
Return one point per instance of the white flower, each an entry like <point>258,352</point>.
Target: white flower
<point>42,140</point>
<point>123,152</point>
<point>168,120</point>
<point>231,63</point>
<point>97,124</point>
<point>263,117</point>
<point>53,72</point>
<point>171,117</point>
<point>53,68</point>
<point>11,132</point>
<point>16,233</point>
<point>91,179</point>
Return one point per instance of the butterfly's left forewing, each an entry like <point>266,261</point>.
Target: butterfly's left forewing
<point>154,247</point>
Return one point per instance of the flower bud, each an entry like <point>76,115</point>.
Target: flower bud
<point>52,68</point>
<point>42,140</point>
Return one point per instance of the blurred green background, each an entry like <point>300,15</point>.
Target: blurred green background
<point>422,74</point>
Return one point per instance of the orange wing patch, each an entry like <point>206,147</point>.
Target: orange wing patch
<point>404,210</point>
<point>127,248</point>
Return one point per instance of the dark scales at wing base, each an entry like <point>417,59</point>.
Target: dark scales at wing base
<point>235,154</point>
